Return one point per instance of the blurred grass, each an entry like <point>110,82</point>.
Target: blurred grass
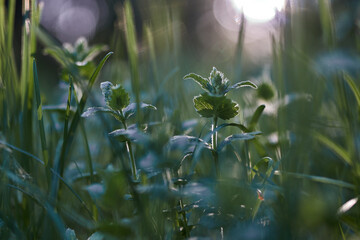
<point>288,183</point>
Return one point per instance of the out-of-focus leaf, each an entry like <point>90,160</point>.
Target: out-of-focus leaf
<point>319,179</point>
<point>70,234</point>
<point>95,190</point>
<point>159,191</point>
<point>93,110</point>
<point>61,109</point>
<point>101,236</point>
<point>180,141</point>
<point>115,230</point>
<point>236,137</point>
<point>130,110</point>
<point>348,205</point>
<point>338,150</point>
<point>132,135</point>
<point>353,86</point>
<point>255,118</point>
<point>212,106</point>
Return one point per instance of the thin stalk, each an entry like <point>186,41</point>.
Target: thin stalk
<point>184,218</point>
<point>132,159</point>
<point>214,146</point>
<point>40,116</point>
<point>131,156</point>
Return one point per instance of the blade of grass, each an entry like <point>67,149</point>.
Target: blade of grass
<point>60,163</point>
<point>256,116</point>
<point>130,34</point>
<point>77,116</point>
<point>40,115</point>
<point>334,147</point>
<point>327,22</point>
<point>239,47</point>
<point>83,131</point>
<point>152,52</point>
<point>319,179</point>
<point>50,169</point>
<point>354,88</point>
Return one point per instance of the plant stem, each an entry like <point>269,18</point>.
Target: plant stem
<point>214,146</point>
<point>131,156</point>
<point>132,159</point>
<point>184,218</point>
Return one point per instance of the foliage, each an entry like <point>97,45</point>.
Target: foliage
<point>281,162</point>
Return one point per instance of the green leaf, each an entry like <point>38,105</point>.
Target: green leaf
<point>130,134</point>
<point>255,118</point>
<point>242,84</point>
<point>70,234</point>
<point>183,140</point>
<point>93,110</point>
<point>335,148</point>
<point>319,179</point>
<point>212,106</point>
<point>353,87</point>
<point>115,96</point>
<point>235,137</point>
<point>130,110</point>
<point>203,82</point>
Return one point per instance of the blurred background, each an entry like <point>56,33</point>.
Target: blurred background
<point>302,54</point>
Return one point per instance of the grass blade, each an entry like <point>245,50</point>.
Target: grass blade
<point>130,34</point>
<point>334,148</point>
<point>353,87</point>
<point>327,22</point>
<point>77,116</point>
<point>40,115</point>
<point>319,179</point>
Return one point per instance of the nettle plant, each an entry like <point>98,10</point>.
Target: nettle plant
<point>214,103</point>
<point>118,105</point>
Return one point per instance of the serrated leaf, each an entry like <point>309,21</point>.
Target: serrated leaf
<point>115,96</point>
<point>213,106</point>
<point>203,82</point>
<point>93,110</point>
<point>119,98</point>
<point>130,110</point>
<point>236,137</point>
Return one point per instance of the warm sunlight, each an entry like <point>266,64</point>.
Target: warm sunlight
<point>259,10</point>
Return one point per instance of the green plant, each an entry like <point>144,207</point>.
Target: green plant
<point>214,104</point>
<point>118,105</point>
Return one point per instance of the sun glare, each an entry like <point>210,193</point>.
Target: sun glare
<point>259,10</point>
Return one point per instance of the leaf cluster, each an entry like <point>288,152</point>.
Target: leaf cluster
<point>214,103</point>
<point>117,103</point>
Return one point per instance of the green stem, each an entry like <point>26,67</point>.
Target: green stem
<point>131,156</point>
<point>184,218</point>
<point>132,159</point>
<point>214,146</point>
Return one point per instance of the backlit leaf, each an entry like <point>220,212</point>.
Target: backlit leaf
<point>212,106</point>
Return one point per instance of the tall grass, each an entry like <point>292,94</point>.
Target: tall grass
<point>64,177</point>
